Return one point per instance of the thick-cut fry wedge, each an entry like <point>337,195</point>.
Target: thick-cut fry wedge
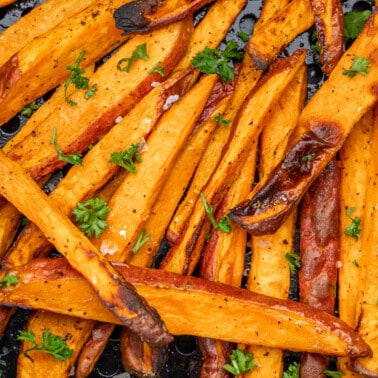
<point>113,290</point>
<point>269,250</point>
<point>78,126</point>
<point>79,331</point>
<point>355,156</point>
<point>140,16</point>
<point>369,265</point>
<point>195,306</point>
<point>319,253</point>
<point>273,36</point>
<point>131,204</point>
<point>42,64</point>
<point>329,24</point>
<point>270,9</point>
<point>322,129</point>
<point>213,28</point>
<point>246,127</point>
<point>81,182</point>
<point>247,79</point>
<point>36,22</point>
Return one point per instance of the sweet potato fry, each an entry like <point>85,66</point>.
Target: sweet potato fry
<point>36,22</point>
<point>81,182</point>
<point>320,133</point>
<point>140,16</point>
<point>268,321</point>
<point>367,326</point>
<point>329,24</point>
<point>269,9</point>
<point>131,204</point>
<point>269,250</point>
<point>355,156</point>
<point>246,127</point>
<point>273,36</point>
<point>319,253</point>
<point>113,290</point>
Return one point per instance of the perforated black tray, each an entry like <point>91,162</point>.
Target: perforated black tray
<point>184,356</point>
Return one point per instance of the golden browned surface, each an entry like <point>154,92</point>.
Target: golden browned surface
<point>198,307</point>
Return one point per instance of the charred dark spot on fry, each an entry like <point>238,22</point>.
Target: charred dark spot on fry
<point>9,75</point>
<point>130,17</point>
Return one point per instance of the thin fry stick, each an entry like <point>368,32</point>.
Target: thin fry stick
<point>355,157</point>
<point>369,264</point>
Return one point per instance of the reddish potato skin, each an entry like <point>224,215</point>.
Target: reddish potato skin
<point>319,253</point>
<point>330,35</point>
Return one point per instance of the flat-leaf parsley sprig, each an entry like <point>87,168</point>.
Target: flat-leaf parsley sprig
<point>140,52</point>
<point>78,80</point>
<point>360,65</point>
<point>215,61</point>
<point>127,158</point>
<point>91,216</point>
<point>74,159</point>
<point>9,279</point>
<point>224,222</point>
<point>353,230</point>
<point>50,344</point>
<point>241,362</point>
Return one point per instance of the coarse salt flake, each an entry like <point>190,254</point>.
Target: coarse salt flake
<point>170,100</point>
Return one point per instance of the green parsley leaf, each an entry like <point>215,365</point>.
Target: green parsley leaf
<point>292,371</point>
<point>241,362</point>
<point>74,159</point>
<point>214,61</point>
<point>50,344</point>
<point>314,42</point>
<point>28,110</point>
<point>360,64</point>
<point>353,23</point>
<point>353,229</point>
<point>222,121</point>
<point>139,53</point>
<point>90,216</point>
<point>126,158</point>
<point>158,68</point>
<point>308,157</point>
<point>294,261</point>
<point>142,239</point>
<point>243,36</point>
<point>224,223</point>
<point>333,373</point>
<point>9,280</point>
<point>78,80</point>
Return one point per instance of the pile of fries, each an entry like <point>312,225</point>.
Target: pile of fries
<point>163,142</point>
